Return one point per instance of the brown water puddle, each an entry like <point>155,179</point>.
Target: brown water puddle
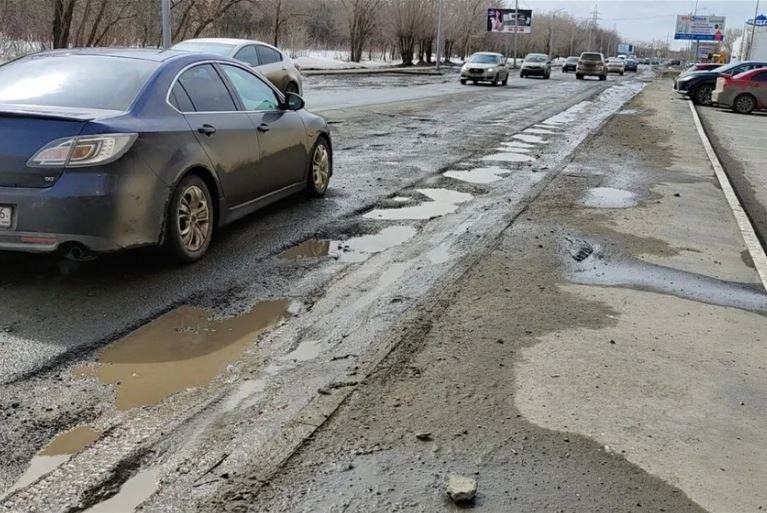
<point>182,349</point>
<point>58,451</point>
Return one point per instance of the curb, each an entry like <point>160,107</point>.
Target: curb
<point>747,231</point>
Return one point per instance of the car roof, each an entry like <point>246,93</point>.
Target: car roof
<point>145,54</point>
<point>229,41</point>
<point>541,54</point>
<point>487,53</point>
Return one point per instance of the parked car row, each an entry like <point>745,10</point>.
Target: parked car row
<point>740,86</point>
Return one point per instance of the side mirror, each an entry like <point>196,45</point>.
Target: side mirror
<point>294,102</point>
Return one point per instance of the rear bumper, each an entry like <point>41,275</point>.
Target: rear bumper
<point>592,72</point>
<point>102,211</point>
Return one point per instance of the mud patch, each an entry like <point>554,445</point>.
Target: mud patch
<point>443,202</point>
<point>356,249</point>
<point>482,175</point>
<point>182,349</point>
<point>58,451</point>
<point>607,197</point>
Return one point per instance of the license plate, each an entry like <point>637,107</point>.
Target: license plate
<point>6,216</point>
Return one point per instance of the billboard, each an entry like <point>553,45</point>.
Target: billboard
<point>706,49</point>
<point>509,20</point>
<point>626,48</point>
<point>700,28</point>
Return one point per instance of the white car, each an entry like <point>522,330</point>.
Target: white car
<point>616,65</point>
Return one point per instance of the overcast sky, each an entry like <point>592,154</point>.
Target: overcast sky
<point>646,20</point>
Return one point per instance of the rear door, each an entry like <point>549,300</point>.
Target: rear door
<point>228,135</point>
<point>272,66</point>
<point>281,133</point>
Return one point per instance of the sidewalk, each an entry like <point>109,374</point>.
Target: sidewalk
<point>740,143</point>
<point>607,355</point>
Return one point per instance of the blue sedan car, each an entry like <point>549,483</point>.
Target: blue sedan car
<point>103,149</point>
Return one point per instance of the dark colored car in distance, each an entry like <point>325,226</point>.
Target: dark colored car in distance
<point>699,85</point>
<point>631,65</point>
<point>106,149</point>
<point>571,64</point>
<point>742,93</point>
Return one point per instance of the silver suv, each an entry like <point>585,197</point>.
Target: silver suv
<point>591,64</point>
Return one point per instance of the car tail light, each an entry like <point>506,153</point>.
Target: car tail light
<point>83,151</point>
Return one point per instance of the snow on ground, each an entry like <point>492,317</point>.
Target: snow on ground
<point>336,59</point>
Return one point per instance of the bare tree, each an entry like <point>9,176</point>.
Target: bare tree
<point>361,16</point>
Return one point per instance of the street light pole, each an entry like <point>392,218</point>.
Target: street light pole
<point>166,28</point>
<point>439,33</point>
<point>753,32</point>
<point>516,23</point>
<point>697,42</point>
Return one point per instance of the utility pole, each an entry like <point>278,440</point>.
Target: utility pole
<point>592,25</point>
<point>516,24</point>
<point>439,33</point>
<point>551,35</point>
<point>697,42</point>
<point>753,32</point>
<point>166,28</point>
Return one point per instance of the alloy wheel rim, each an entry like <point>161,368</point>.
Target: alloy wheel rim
<point>704,95</point>
<point>744,104</point>
<point>193,218</point>
<point>320,168</point>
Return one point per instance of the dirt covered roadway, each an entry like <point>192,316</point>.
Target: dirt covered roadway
<point>461,255</point>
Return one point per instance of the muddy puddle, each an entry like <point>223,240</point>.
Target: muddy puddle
<point>533,139</point>
<point>587,264</point>
<point>182,349</point>
<point>482,175</point>
<point>508,157</point>
<point>442,202</point>
<point>356,249</point>
<point>607,197</point>
<point>58,451</point>
<point>132,493</point>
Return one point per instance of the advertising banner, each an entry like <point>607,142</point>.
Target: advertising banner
<point>506,20</point>
<point>625,48</point>
<point>700,28</point>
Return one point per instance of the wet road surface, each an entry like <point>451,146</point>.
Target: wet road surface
<point>388,136</point>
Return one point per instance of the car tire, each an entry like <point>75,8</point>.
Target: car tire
<point>463,81</point>
<point>744,104</point>
<point>578,76</point>
<point>505,81</point>
<point>496,81</point>
<point>190,220</point>
<point>522,75</point>
<point>602,77</point>
<point>702,95</point>
<point>621,73</point>
<point>320,169</point>
<point>292,87</point>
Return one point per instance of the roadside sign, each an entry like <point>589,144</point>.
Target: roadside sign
<point>626,48</point>
<point>700,28</point>
<point>761,21</point>
<point>507,20</point>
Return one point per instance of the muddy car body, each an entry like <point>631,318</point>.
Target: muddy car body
<point>591,64</point>
<point>742,93</point>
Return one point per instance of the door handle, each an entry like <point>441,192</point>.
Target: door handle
<point>263,128</point>
<point>207,130</point>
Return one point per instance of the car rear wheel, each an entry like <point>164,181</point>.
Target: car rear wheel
<point>463,81</point>
<point>702,95</point>
<point>190,220</point>
<point>292,87</point>
<point>579,76</point>
<point>320,168</point>
<point>744,104</point>
<point>602,77</point>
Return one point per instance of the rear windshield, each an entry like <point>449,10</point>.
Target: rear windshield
<point>591,57</point>
<point>77,81</point>
<point>484,59</point>
<point>203,47</point>
<point>572,59</point>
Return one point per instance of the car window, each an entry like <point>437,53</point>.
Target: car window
<point>536,58</point>
<point>268,55</point>
<point>248,54</point>
<point>484,59</point>
<point>206,90</point>
<point>255,95</point>
<point>77,81</point>
<point>760,77</point>
<point>591,57</point>
<point>179,99</point>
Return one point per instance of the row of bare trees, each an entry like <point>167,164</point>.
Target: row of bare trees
<point>393,29</point>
